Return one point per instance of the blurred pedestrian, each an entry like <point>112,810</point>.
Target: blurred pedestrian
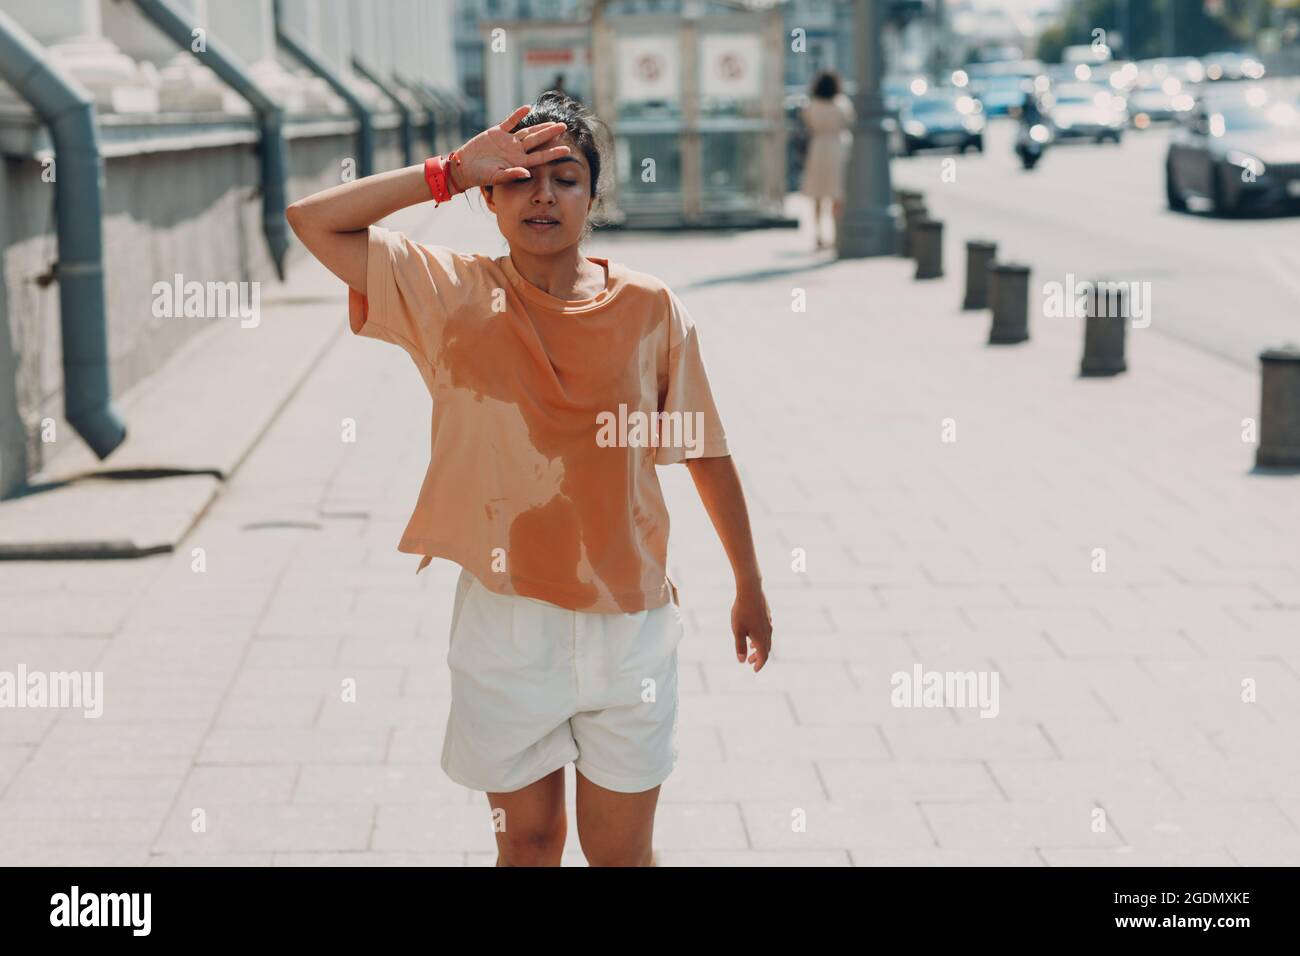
<point>1031,113</point>
<point>829,118</point>
<point>537,487</point>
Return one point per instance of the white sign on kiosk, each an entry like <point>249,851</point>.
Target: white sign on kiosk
<point>648,69</point>
<point>729,66</point>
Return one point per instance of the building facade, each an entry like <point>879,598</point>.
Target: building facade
<point>184,181</point>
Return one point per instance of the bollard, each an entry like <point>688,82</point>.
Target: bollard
<point>980,254</point>
<point>913,212</point>
<point>1279,408</point>
<point>1103,334</point>
<point>1009,288</point>
<point>928,246</point>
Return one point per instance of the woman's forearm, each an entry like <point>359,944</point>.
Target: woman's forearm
<point>333,223</point>
<point>718,485</point>
<point>351,207</point>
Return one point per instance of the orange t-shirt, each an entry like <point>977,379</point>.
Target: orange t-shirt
<point>549,416</point>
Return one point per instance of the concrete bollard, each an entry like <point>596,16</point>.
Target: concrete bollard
<point>928,246</point>
<point>913,212</point>
<point>1009,294</point>
<point>1279,408</point>
<point>1103,334</point>
<point>980,254</point>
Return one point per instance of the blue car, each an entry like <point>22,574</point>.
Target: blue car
<point>1000,94</point>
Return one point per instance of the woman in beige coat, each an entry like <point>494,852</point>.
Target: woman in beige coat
<point>828,117</point>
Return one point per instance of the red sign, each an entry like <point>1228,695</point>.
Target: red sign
<point>535,57</point>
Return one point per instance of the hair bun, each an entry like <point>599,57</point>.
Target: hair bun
<point>555,96</point>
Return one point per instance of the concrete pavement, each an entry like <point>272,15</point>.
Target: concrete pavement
<point>953,504</point>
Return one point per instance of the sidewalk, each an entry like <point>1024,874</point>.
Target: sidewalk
<point>1119,691</point>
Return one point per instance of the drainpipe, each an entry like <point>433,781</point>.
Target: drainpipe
<point>408,148</point>
<point>274,153</point>
<point>365,120</point>
<point>69,112</point>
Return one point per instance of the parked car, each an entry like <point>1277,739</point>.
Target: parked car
<point>1086,111</point>
<point>942,120</point>
<point>1239,149</point>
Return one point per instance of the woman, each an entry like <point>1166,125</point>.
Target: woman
<point>559,382</point>
<point>828,117</point>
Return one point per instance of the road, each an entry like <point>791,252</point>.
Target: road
<point>1230,286</point>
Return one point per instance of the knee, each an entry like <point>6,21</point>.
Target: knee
<point>532,846</point>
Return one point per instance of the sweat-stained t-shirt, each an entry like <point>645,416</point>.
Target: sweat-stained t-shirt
<point>549,416</point>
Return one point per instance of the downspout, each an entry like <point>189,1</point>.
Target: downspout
<point>365,120</point>
<point>408,145</point>
<point>274,153</point>
<point>69,112</point>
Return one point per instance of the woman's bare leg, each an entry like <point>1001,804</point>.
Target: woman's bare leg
<point>616,829</point>
<point>837,214</point>
<point>530,824</point>
<point>817,223</point>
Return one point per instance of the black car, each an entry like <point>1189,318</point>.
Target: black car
<point>941,120</point>
<point>1240,151</point>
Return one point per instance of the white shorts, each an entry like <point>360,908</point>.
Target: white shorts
<point>535,686</point>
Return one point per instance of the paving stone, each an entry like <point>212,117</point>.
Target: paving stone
<point>257,827</point>
<point>1058,823</point>
<point>933,856</point>
<point>821,824</point>
<point>383,785</point>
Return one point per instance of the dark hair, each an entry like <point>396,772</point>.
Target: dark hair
<point>826,84</point>
<point>556,106</point>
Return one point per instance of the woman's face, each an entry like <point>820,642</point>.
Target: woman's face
<point>546,214</point>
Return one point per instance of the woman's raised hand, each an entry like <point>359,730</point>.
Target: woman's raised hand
<point>496,155</point>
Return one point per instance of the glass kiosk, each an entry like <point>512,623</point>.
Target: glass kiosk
<point>692,92</point>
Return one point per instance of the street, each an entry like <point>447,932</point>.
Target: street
<point>1229,286</point>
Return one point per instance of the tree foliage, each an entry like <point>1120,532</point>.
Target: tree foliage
<point>1196,31</point>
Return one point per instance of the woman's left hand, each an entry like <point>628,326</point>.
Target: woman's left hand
<point>751,618</point>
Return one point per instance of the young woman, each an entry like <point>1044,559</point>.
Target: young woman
<point>559,382</point>
<point>828,117</point>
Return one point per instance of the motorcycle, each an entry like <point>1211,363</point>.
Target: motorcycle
<point>1031,143</point>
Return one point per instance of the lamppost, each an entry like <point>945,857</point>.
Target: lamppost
<point>867,227</point>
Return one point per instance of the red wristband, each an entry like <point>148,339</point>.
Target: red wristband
<point>437,175</point>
